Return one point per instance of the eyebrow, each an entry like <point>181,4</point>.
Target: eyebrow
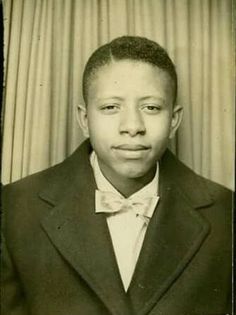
<point>110,97</point>
<point>144,98</point>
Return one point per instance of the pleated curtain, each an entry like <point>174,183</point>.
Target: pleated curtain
<point>47,43</point>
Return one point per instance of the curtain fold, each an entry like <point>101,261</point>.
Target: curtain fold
<point>48,42</point>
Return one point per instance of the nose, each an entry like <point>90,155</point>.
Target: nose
<point>131,122</point>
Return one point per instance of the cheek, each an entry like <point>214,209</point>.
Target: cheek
<point>94,124</point>
<point>99,133</point>
<point>101,126</point>
<point>159,128</point>
<point>98,130</point>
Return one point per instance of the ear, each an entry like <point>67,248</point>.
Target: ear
<point>81,116</point>
<point>177,116</point>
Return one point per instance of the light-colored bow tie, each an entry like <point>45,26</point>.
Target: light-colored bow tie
<point>110,202</point>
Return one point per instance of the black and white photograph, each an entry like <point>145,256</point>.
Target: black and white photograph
<point>118,157</point>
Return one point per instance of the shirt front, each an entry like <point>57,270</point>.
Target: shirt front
<point>127,229</point>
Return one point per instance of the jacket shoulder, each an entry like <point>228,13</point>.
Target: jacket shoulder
<point>217,190</point>
<point>30,183</point>
<point>55,182</point>
<point>194,186</point>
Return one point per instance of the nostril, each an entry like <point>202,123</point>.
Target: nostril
<point>132,124</point>
<point>133,131</point>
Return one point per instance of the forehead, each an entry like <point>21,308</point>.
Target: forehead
<point>130,77</point>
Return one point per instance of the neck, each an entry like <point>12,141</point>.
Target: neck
<point>128,186</point>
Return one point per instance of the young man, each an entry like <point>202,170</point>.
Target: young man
<point>121,226</point>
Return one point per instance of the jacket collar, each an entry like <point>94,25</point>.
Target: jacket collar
<point>72,223</point>
<point>68,176</point>
<point>191,186</point>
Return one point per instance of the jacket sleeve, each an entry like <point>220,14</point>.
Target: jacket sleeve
<point>12,295</point>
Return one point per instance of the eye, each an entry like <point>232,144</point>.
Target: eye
<point>110,108</point>
<point>151,108</point>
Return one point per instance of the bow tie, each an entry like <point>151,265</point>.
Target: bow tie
<point>110,202</point>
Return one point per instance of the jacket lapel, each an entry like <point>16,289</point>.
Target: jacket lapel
<point>174,235</point>
<point>82,236</point>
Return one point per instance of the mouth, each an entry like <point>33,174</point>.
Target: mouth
<point>131,151</point>
<point>131,147</point>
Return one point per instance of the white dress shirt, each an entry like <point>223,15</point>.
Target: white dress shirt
<point>127,230</point>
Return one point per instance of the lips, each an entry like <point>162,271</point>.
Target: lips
<point>131,152</point>
<point>131,147</point>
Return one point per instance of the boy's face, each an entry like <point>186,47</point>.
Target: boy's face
<point>129,117</point>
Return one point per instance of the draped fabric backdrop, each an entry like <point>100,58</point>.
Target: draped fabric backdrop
<point>47,43</point>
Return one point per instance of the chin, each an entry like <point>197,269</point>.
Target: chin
<point>133,173</point>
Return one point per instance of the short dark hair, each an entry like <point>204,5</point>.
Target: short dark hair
<point>132,48</point>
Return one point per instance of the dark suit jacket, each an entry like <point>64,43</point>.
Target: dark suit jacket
<point>58,257</point>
